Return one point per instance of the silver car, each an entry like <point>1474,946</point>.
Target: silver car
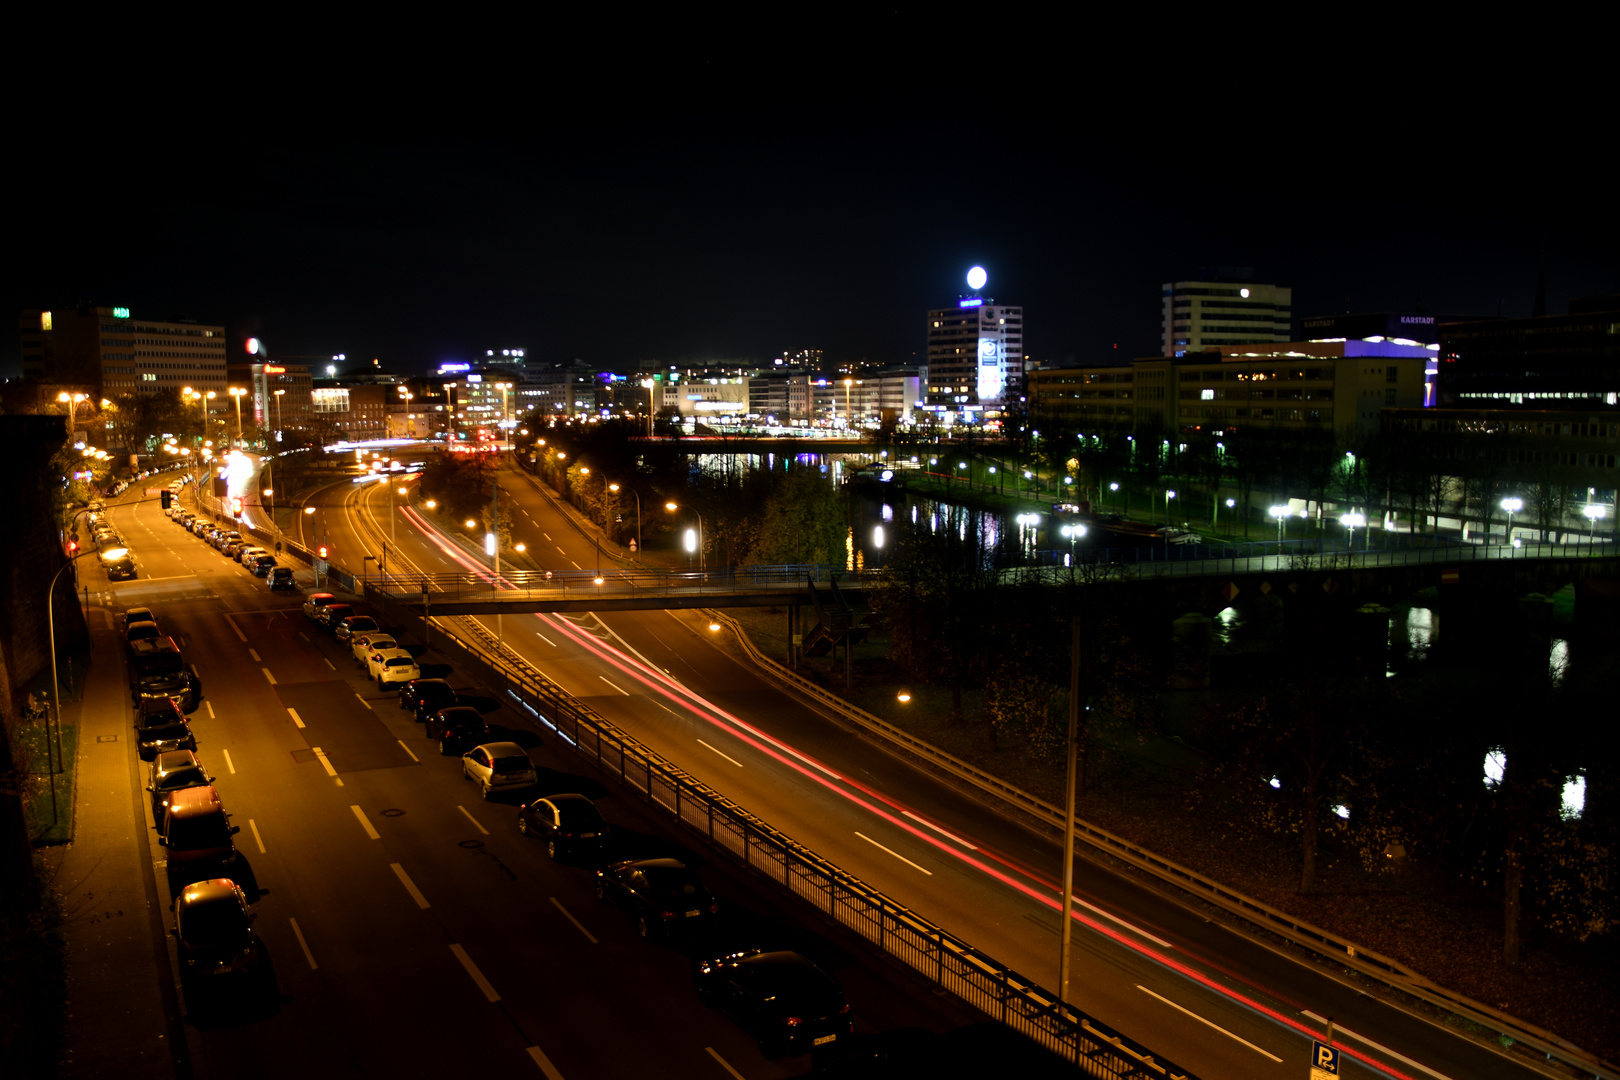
<point>498,765</point>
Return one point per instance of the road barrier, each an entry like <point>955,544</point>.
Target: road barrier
<point>943,958</point>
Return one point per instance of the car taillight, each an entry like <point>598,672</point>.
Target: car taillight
<point>714,908</point>
<point>666,915</point>
<point>792,1021</point>
<point>844,1010</point>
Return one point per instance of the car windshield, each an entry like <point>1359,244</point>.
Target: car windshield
<point>208,831</point>
<point>361,624</point>
<point>213,924</point>
<point>512,764</point>
<point>380,641</point>
<point>160,732</point>
<point>182,778</point>
<point>575,815</point>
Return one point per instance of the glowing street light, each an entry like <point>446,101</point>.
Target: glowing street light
<point>1282,514</point>
<point>1594,513</point>
<point>1354,521</point>
<point>237,392</point>
<point>1512,504</point>
<point>615,489</point>
<point>672,507</point>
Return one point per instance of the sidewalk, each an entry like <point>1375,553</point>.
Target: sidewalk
<point>121,1001</point>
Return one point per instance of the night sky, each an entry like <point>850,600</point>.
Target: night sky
<point>713,223</point>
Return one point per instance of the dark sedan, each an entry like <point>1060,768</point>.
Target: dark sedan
<point>457,728</point>
<point>783,1000</point>
<point>163,736</point>
<point>661,895</point>
<point>569,824</point>
<point>214,928</point>
<point>424,697</point>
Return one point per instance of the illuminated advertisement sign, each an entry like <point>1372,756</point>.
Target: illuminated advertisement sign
<point>972,301</point>
<point>274,369</point>
<point>990,369</point>
<point>450,369</point>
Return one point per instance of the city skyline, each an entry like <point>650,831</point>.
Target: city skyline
<point>430,254</point>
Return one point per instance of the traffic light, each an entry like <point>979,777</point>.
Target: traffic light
<point>236,506</point>
<point>321,551</point>
<point>72,547</point>
<point>166,497</point>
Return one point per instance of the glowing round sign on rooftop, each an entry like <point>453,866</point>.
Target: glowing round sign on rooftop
<point>977,277</point>
<point>253,346</point>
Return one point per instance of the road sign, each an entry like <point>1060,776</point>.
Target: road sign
<point>1230,591</point>
<point>1324,1061</point>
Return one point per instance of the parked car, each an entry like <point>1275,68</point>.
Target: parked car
<point>363,645</point>
<point>261,564</point>
<point>231,549</point>
<point>354,624</point>
<point>332,614</point>
<point>392,667</point>
<point>571,825</point>
<point>164,735</point>
<point>457,728</point>
<point>248,552</point>
<point>172,771</point>
<point>315,601</point>
<point>426,696</point>
<point>280,577</point>
<point>214,927</point>
<point>196,833</point>
<point>780,998</point>
<point>661,895</point>
<point>138,614</point>
<point>141,631</point>
<point>498,765</point>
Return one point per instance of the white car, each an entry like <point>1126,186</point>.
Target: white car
<point>392,666</point>
<point>370,642</point>
<point>248,554</point>
<point>498,765</point>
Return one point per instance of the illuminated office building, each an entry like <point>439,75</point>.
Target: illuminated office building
<point>975,360</point>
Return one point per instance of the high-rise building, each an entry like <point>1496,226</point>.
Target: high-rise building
<point>975,360</point>
<point>1229,310</point>
<point>105,351</point>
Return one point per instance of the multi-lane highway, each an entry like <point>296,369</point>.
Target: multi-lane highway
<point>1212,1000</point>
<point>410,929</point>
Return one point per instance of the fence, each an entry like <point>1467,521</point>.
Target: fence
<point>948,961</point>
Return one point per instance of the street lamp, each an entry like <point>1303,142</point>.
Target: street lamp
<point>1168,495</point>
<point>279,394</point>
<point>1594,513</point>
<point>1512,504</point>
<point>504,387</point>
<point>237,392</point>
<point>1282,514</point>
<point>672,507</point>
<point>849,419</point>
<point>614,488</point>
<point>202,399</point>
<point>72,402</point>
<point>406,396</point>
<point>1354,521</point>
<point>393,516</point>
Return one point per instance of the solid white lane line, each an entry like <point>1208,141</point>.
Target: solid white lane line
<point>724,1064</point>
<point>545,1064</point>
<point>1129,926</point>
<point>893,852</point>
<point>228,764</point>
<point>320,756</point>
<point>328,663</point>
<point>728,757</point>
<point>240,636</point>
<point>256,838</point>
<point>477,976</point>
<point>364,702</point>
<point>255,654</point>
<point>210,705</point>
<point>365,822</point>
<point>302,944</point>
<point>474,820</point>
<point>408,751</point>
<point>269,676</point>
<point>294,712</point>
<point>936,828</point>
<point>610,682</point>
<point>410,886</point>
<point>577,924</point>
<point>545,639</point>
<point>1382,1049</point>
<point>1209,1023</point>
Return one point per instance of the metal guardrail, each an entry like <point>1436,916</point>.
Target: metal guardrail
<point>945,959</point>
<point>1336,947</point>
<point>517,585</point>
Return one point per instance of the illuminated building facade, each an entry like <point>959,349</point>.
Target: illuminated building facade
<point>1230,310</point>
<point>263,380</point>
<point>975,361</point>
<point>106,351</point>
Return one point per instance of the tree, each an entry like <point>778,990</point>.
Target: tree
<point>804,521</point>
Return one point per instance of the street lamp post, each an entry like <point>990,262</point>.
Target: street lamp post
<point>72,402</point>
<point>1282,514</point>
<point>1354,521</point>
<point>279,395</point>
<point>1168,495</point>
<point>672,507</point>
<point>1594,514</point>
<point>614,488</point>
<point>505,388</point>
<point>56,682</point>
<point>237,392</point>
<point>407,396</point>
<point>1512,504</point>
<point>849,418</point>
